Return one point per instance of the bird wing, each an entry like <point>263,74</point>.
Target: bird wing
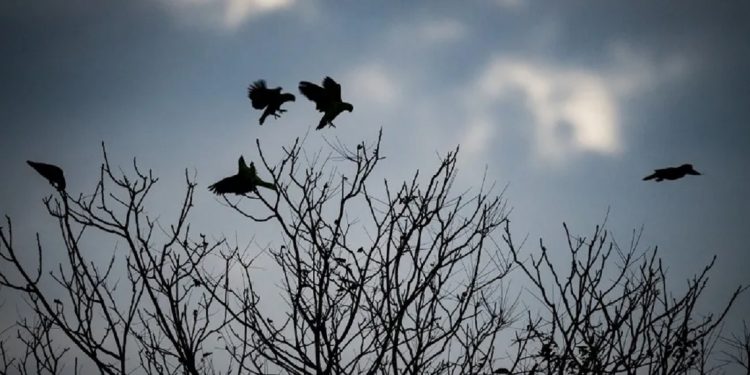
<point>257,181</point>
<point>315,93</point>
<point>286,97</point>
<point>231,184</point>
<point>259,94</point>
<point>52,173</point>
<point>333,89</point>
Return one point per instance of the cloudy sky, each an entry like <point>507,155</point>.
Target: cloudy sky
<point>568,103</point>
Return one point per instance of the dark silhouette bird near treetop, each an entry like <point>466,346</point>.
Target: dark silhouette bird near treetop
<point>672,173</point>
<point>246,180</point>
<point>270,99</point>
<point>327,100</point>
<point>51,172</point>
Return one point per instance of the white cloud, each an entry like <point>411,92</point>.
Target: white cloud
<point>572,110</point>
<point>226,14</point>
<point>425,33</point>
<point>476,138</point>
<point>373,84</point>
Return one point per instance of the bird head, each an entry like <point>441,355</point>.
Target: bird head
<point>688,168</point>
<point>348,107</point>
<point>287,97</point>
<point>241,163</point>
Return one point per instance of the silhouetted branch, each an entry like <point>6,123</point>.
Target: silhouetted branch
<point>611,311</point>
<point>413,285</point>
<point>161,313</point>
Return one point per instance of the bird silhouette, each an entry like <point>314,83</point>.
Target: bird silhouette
<point>51,172</point>
<point>246,180</point>
<point>672,173</point>
<point>327,100</point>
<point>271,99</point>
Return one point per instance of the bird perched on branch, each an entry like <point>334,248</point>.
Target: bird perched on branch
<point>51,172</point>
<point>271,99</point>
<point>327,100</point>
<point>246,180</point>
<point>672,173</point>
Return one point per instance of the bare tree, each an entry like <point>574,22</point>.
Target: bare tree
<point>611,311</point>
<point>408,284</point>
<point>738,348</point>
<point>160,313</point>
<point>373,278</point>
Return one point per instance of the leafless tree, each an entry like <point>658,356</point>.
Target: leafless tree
<point>159,313</point>
<point>409,283</point>
<point>738,348</point>
<point>611,311</point>
<point>374,279</point>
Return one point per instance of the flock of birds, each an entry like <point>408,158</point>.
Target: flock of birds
<point>327,99</point>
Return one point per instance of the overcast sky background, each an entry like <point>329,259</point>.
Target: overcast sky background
<point>569,103</point>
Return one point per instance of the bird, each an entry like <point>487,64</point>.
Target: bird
<point>246,180</point>
<point>672,173</point>
<point>271,99</point>
<point>327,100</point>
<point>51,172</point>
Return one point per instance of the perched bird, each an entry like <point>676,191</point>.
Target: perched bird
<point>270,99</point>
<point>51,172</point>
<point>327,99</point>
<point>246,180</point>
<point>672,173</point>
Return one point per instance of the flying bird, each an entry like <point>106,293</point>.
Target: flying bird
<point>327,100</point>
<point>246,180</point>
<point>51,172</point>
<point>672,173</point>
<point>271,99</point>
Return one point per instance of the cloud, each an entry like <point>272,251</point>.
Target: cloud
<point>476,138</point>
<point>425,33</point>
<point>372,83</point>
<point>226,14</point>
<point>633,69</point>
<point>572,110</point>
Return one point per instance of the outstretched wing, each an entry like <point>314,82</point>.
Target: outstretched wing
<point>650,177</point>
<point>658,173</point>
<point>233,184</point>
<point>332,89</point>
<point>315,93</point>
<point>259,94</point>
<point>52,173</point>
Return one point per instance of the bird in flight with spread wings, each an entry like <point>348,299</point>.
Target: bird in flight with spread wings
<point>245,181</point>
<point>327,100</point>
<point>271,99</point>
<point>672,173</point>
<point>52,173</point>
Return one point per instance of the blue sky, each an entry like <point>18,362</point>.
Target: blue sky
<point>568,103</point>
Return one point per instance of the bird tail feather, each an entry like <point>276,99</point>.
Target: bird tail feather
<point>267,185</point>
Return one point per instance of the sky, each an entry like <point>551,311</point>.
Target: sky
<point>566,104</point>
